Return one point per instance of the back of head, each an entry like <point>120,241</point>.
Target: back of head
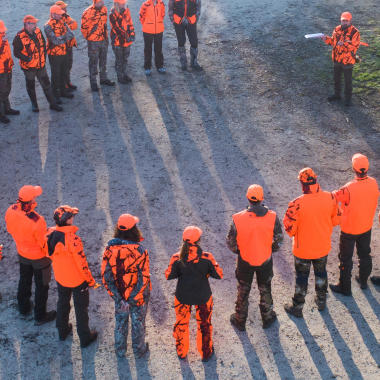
<point>360,164</point>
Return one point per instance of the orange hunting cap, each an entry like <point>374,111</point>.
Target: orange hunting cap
<point>61,4</point>
<point>360,163</point>
<point>120,1</point>
<point>255,193</point>
<point>3,28</point>
<point>127,221</point>
<point>192,234</point>
<point>307,176</point>
<point>346,16</point>
<point>56,9</point>
<point>28,192</point>
<point>63,213</point>
<point>31,19</point>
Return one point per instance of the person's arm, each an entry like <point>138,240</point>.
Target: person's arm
<point>291,218</point>
<point>73,25</point>
<point>80,260</point>
<point>40,233</point>
<point>143,281</point>
<point>336,212</point>
<point>231,239</point>
<point>17,49</point>
<point>58,40</point>
<point>278,236</point>
<point>130,26</point>
<point>215,270</point>
<point>342,196</point>
<point>330,40</point>
<point>142,13</point>
<point>172,271</point>
<point>86,27</point>
<point>163,10</point>
<point>108,279</point>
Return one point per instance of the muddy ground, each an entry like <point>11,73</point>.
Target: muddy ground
<point>181,149</point>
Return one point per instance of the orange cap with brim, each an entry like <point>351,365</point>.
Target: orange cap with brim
<point>63,213</point>
<point>192,234</point>
<point>127,221</point>
<point>30,18</point>
<point>360,163</point>
<point>55,9</point>
<point>28,192</point>
<point>255,193</point>
<point>3,28</point>
<point>347,16</point>
<point>307,175</point>
<point>61,4</point>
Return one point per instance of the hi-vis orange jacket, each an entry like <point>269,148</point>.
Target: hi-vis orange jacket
<point>358,199</point>
<point>152,13</point>
<point>73,25</point>
<point>69,261</point>
<point>28,230</point>
<point>179,9</point>
<point>310,219</point>
<point>30,46</point>
<point>254,236</point>
<point>121,28</point>
<point>351,40</point>
<point>125,271</point>
<point>6,61</point>
<point>58,29</point>
<point>94,24</point>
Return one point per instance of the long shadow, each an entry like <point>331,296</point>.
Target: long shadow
<point>142,368</point>
<point>342,349</point>
<point>66,362</point>
<point>210,368</point>
<point>186,371</point>
<point>88,361</point>
<point>123,369</point>
<point>372,301</point>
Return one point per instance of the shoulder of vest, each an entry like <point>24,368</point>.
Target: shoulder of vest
<point>33,216</point>
<point>240,212</point>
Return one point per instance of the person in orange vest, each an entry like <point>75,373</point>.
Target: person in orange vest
<point>6,65</point>
<point>122,37</point>
<point>254,234</point>
<point>28,230</point>
<point>345,41</point>
<point>126,276</point>
<point>359,201</point>
<point>94,30</point>
<point>30,48</point>
<point>58,35</point>
<point>73,25</point>
<point>309,221</point>
<point>184,14</point>
<point>376,279</point>
<point>192,267</point>
<point>71,273</point>
<point>152,13</point>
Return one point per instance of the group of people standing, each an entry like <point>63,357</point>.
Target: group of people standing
<point>255,233</point>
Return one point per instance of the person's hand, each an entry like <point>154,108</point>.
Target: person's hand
<point>185,21</point>
<point>324,38</point>
<point>97,285</point>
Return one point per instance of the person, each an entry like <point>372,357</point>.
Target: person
<point>73,25</point>
<point>345,42</point>
<point>30,48</point>
<point>6,66</point>
<point>94,30</point>
<point>28,230</point>
<point>122,37</point>
<point>358,199</point>
<point>254,234</point>
<point>72,274</point>
<point>126,276</point>
<point>192,267</point>
<point>309,221</point>
<point>376,279</point>
<point>58,35</point>
<point>184,14</point>
<point>152,13</point>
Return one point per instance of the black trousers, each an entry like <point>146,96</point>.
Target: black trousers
<point>346,251</point>
<point>5,86</point>
<point>156,40</point>
<point>70,60</point>
<point>41,279</point>
<point>59,65</point>
<point>81,298</point>
<point>346,70</point>
<point>191,31</point>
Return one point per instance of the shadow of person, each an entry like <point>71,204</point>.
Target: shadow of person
<point>142,368</point>
<point>65,359</point>
<point>210,369</point>
<point>88,361</point>
<point>373,301</point>
<point>341,347</point>
<point>123,369</point>
<point>186,371</point>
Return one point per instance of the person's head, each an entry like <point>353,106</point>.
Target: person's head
<point>191,237</point>
<point>3,30</point>
<point>307,178</point>
<point>27,197</point>
<point>255,194</point>
<point>126,228</point>
<point>56,12</point>
<point>30,23</point>
<point>64,215</point>
<point>62,5</point>
<point>98,4</point>
<point>345,20</point>
<point>120,4</point>
<point>360,164</point>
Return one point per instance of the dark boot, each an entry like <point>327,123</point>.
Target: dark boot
<point>338,288</point>
<point>49,316</point>
<point>182,57</point>
<point>107,82</point>
<point>9,110</point>
<point>267,322</point>
<point>194,59</point>
<point>234,322</point>
<point>52,101</point>
<point>347,102</point>
<point>3,118</point>
<point>321,303</point>
<point>334,98</point>
<point>31,89</point>
<point>92,338</point>
<point>57,96</point>
<point>66,94</point>
<point>293,310</point>
<point>66,333</point>
<point>94,86</point>
<point>363,284</point>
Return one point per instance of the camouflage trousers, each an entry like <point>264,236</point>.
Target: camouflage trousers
<point>97,54</point>
<point>138,315</point>
<point>121,59</point>
<point>244,275</point>
<point>302,267</point>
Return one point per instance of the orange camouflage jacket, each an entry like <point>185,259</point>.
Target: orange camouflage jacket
<point>122,30</point>
<point>6,61</point>
<point>94,24</point>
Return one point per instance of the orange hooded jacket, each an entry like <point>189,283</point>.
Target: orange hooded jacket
<point>6,61</point>
<point>152,13</point>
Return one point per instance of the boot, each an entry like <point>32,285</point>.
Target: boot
<point>295,311</point>
<point>193,59</point>
<point>363,284</point>
<point>234,322</point>
<point>334,98</point>
<point>92,338</point>
<point>182,57</point>
<point>9,110</point>
<point>347,102</point>
<point>338,288</point>
<point>3,118</point>
<point>321,304</point>
<point>49,316</point>
<point>52,101</point>
<point>66,94</point>
<point>267,322</point>
<point>57,96</point>
<point>31,89</point>
<point>107,82</point>
<point>67,332</point>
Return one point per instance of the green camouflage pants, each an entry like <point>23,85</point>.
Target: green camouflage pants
<point>97,57</point>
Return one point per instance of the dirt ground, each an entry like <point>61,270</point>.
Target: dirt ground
<point>181,149</point>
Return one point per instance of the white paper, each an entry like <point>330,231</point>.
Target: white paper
<point>315,35</point>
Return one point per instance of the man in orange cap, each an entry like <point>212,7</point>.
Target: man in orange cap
<point>72,275</point>
<point>73,25</point>
<point>6,65</point>
<point>309,221</point>
<point>28,230</point>
<point>358,199</point>
<point>345,41</point>
<point>30,47</point>
<point>58,34</point>
<point>254,234</point>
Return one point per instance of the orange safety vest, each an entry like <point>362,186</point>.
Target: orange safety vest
<point>6,61</point>
<point>59,30</point>
<point>152,15</point>
<point>359,201</point>
<point>30,49</point>
<point>185,8</point>
<point>121,27</point>
<point>254,236</point>
<point>73,26</point>
<point>94,24</point>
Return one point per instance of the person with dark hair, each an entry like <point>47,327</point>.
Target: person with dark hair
<point>192,267</point>
<point>72,275</point>
<point>254,234</point>
<point>126,276</point>
<point>359,201</point>
<point>28,230</point>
